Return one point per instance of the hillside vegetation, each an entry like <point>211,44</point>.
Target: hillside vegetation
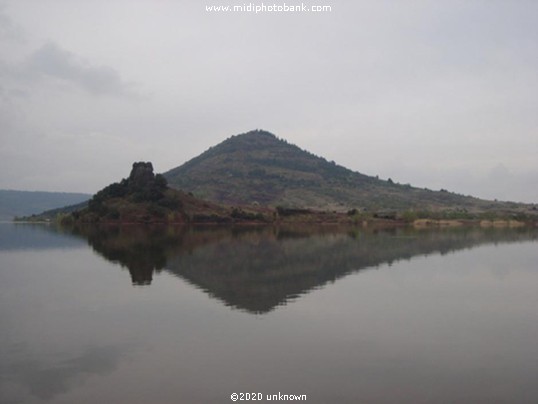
<point>259,168</point>
<point>144,197</point>
<point>256,177</point>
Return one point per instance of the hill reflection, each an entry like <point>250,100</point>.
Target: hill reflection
<point>258,269</point>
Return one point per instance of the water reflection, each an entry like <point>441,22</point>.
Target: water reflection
<point>258,269</point>
<point>29,236</point>
<point>449,328</point>
<point>46,377</point>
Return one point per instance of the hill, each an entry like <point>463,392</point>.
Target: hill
<point>23,203</point>
<point>144,197</point>
<point>259,168</point>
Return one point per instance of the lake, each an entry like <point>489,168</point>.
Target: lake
<point>191,314</point>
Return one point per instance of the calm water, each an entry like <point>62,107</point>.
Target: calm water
<point>191,315</point>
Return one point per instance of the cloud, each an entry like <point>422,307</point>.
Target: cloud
<point>9,30</point>
<point>51,61</point>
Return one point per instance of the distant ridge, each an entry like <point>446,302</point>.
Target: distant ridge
<point>24,203</point>
<point>259,168</point>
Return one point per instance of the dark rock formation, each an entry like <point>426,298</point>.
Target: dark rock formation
<point>141,175</point>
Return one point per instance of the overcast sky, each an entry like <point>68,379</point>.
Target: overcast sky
<point>439,94</point>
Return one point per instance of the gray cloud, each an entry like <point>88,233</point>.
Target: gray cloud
<point>9,30</point>
<point>54,62</point>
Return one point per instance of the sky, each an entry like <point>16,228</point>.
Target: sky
<point>438,94</point>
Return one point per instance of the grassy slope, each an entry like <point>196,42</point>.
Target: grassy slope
<point>257,167</point>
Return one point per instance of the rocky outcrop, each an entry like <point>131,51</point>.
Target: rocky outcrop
<point>141,175</point>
